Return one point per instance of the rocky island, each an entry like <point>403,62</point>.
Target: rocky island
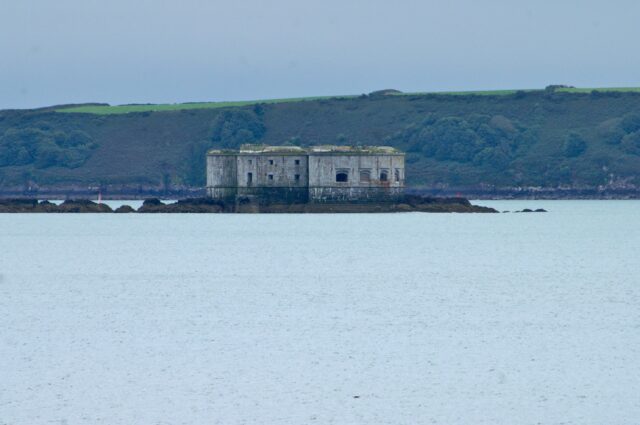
<point>407,203</point>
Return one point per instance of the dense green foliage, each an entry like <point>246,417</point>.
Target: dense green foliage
<point>546,138</point>
<point>483,140</point>
<point>229,129</point>
<point>233,127</point>
<point>43,147</point>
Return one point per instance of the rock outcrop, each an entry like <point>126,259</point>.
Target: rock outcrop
<point>82,206</point>
<point>195,206</point>
<point>33,206</point>
<point>123,209</point>
<point>409,203</point>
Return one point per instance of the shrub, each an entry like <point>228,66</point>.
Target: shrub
<point>232,128</point>
<point>630,122</point>
<point>631,143</point>
<point>610,131</point>
<point>574,145</point>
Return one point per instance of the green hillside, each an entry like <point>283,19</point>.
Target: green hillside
<point>467,142</point>
<point>126,109</point>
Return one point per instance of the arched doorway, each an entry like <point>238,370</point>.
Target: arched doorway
<point>342,177</point>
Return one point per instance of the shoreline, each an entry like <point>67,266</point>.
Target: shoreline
<point>243,206</point>
<point>497,194</point>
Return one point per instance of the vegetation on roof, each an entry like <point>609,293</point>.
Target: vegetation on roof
<point>334,149</point>
<point>357,149</point>
<point>261,148</point>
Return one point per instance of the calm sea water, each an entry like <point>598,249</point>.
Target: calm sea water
<point>344,319</point>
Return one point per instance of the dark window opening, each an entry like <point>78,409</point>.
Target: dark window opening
<point>271,162</point>
<point>249,178</point>
<point>384,176</point>
<point>297,177</point>
<point>342,177</point>
<point>297,162</point>
<point>270,176</point>
<point>397,174</point>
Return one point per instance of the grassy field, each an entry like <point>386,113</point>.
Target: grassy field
<point>509,92</point>
<point>467,93</point>
<point>600,89</point>
<point>125,109</point>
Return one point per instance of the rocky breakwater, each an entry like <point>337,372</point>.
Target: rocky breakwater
<point>35,206</point>
<point>435,204</point>
<point>195,206</point>
<point>409,203</point>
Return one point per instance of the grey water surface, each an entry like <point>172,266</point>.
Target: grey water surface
<point>331,319</point>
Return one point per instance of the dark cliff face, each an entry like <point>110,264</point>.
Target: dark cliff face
<point>539,141</point>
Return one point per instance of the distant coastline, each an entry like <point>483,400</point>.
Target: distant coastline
<point>145,192</point>
<point>553,143</point>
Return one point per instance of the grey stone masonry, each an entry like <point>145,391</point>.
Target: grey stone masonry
<point>316,174</point>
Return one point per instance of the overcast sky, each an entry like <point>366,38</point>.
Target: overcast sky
<point>140,51</point>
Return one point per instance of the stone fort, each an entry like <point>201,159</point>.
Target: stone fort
<point>316,174</point>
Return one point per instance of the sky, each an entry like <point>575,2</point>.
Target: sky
<point>144,51</point>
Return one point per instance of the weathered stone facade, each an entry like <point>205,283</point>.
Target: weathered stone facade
<point>317,174</point>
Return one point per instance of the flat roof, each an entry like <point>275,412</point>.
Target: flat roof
<point>248,149</point>
<point>388,150</point>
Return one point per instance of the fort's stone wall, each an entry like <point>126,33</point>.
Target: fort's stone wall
<point>354,194</point>
<point>330,174</point>
<point>355,177</point>
<point>222,176</point>
<point>272,171</point>
<point>274,195</point>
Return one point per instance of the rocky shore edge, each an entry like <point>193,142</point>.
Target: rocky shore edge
<point>409,203</point>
